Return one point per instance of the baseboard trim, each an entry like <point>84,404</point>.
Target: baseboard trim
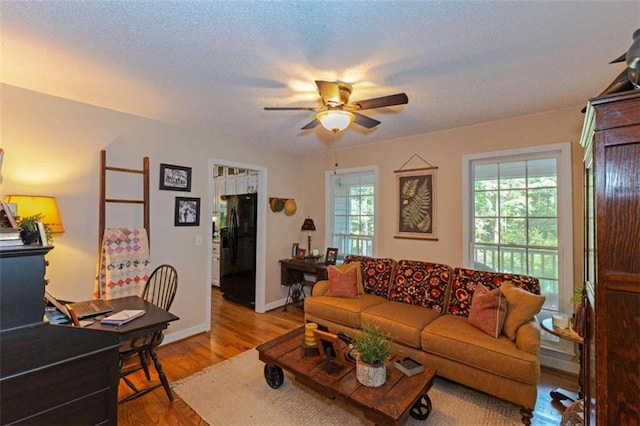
<point>183,334</point>
<point>559,362</point>
<point>275,305</point>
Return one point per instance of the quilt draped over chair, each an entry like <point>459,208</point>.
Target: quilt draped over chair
<point>124,263</point>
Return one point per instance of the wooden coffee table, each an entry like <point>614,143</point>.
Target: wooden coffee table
<point>389,404</point>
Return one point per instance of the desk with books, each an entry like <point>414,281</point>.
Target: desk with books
<point>154,320</point>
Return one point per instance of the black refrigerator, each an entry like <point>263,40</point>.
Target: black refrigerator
<point>238,248</point>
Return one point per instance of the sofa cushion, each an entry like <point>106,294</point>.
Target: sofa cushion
<point>464,282</point>
<point>488,310</point>
<point>400,321</point>
<point>522,306</point>
<point>420,283</point>
<point>343,281</point>
<point>452,337</point>
<point>376,273</point>
<point>341,310</point>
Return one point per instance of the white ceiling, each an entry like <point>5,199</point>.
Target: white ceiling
<point>213,65</point>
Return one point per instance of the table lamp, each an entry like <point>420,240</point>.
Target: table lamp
<point>31,205</point>
<point>308,226</point>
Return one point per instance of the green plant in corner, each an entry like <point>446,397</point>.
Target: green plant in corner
<point>373,346</point>
<point>577,294</point>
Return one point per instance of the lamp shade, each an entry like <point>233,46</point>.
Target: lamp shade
<point>308,225</point>
<point>335,120</point>
<point>31,205</point>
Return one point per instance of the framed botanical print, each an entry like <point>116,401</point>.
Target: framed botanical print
<point>416,202</point>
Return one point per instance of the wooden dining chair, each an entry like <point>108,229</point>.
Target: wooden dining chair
<point>160,289</point>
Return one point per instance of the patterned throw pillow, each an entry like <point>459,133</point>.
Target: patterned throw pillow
<point>343,281</point>
<point>376,273</point>
<point>522,306</point>
<point>488,310</point>
<point>420,283</point>
<point>465,280</point>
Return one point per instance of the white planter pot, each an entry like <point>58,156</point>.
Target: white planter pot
<point>369,375</point>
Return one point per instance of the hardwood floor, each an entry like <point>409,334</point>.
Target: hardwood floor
<point>235,329</point>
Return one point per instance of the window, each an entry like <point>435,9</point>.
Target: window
<point>351,196</point>
<point>518,219</point>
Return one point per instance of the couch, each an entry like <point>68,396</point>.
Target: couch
<point>425,307</point>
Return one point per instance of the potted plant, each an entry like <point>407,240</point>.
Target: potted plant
<point>372,349</point>
<point>29,229</point>
<point>579,313</point>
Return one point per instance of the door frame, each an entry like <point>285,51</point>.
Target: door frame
<point>261,232</point>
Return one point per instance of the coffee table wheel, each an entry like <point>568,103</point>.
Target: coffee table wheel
<point>274,376</point>
<point>422,408</point>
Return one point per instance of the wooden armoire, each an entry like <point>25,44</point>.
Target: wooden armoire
<point>611,355</point>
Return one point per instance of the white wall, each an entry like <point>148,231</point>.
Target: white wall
<point>52,147</point>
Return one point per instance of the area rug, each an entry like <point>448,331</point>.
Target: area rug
<point>234,392</point>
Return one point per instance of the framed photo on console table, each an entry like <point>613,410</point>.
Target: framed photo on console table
<point>331,256</point>
<point>187,212</point>
<point>416,203</point>
<point>175,178</point>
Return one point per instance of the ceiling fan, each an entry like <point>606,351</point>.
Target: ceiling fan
<point>336,113</point>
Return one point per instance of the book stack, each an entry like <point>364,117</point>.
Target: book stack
<point>10,237</point>
<point>122,317</point>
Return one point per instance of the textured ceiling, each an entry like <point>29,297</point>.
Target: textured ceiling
<point>212,65</point>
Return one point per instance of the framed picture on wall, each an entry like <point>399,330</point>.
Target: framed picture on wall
<point>187,212</point>
<point>175,178</point>
<point>416,203</point>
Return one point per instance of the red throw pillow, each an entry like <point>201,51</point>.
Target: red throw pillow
<point>488,310</point>
<point>343,281</point>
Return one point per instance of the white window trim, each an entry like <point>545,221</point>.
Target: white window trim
<point>328,196</point>
<point>565,216</point>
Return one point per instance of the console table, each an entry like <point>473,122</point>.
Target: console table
<point>292,275</point>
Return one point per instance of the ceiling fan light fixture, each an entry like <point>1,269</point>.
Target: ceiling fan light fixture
<point>335,120</point>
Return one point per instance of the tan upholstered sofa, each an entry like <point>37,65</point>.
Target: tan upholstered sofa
<point>425,307</point>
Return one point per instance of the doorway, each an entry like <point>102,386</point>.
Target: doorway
<point>246,178</point>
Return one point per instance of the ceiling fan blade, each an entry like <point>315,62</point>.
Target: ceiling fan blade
<point>329,92</point>
<point>365,121</point>
<point>312,124</point>
<point>397,99</point>
<point>289,109</point>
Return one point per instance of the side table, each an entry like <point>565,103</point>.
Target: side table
<point>292,273</point>
<point>560,394</point>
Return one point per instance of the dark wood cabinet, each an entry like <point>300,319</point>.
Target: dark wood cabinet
<point>55,374</point>
<point>22,270</point>
<point>49,374</point>
<point>611,356</point>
